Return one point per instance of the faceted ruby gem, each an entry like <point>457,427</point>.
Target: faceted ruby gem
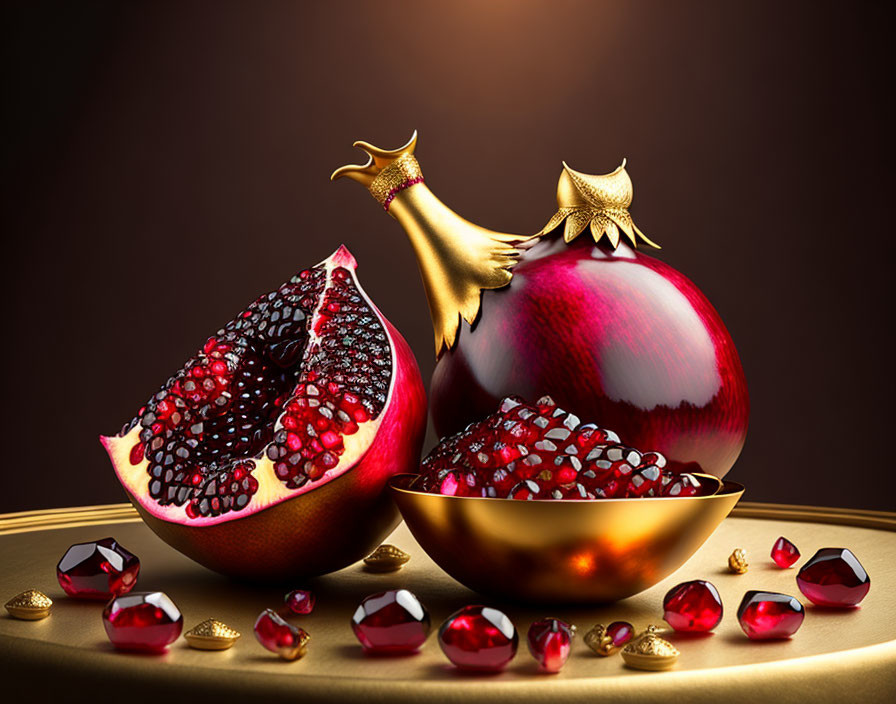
<point>550,641</point>
<point>834,577</point>
<point>142,621</point>
<point>97,570</point>
<point>784,553</point>
<point>767,615</point>
<point>620,632</point>
<point>478,638</point>
<point>391,622</point>
<point>300,601</point>
<point>693,606</point>
<point>280,637</point>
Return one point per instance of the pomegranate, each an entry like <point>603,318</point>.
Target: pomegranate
<point>611,333</point>
<point>542,452</point>
<point>265,456</point>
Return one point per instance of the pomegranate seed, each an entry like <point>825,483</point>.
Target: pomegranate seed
<point>97,570</point>
<point>784,553</point>
<point>300,601</point>
<point>834,577</point>
<point>693,606</point>
<point>550,641</point>
<point>620,632</point>
<point>278,636</point>
<point>142,621</point>
<point>391,622</point>
<point>769,615</point>
<point>479,638</point>
<point>136,454</point>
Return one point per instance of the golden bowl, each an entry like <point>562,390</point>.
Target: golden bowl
<point>558,552</point>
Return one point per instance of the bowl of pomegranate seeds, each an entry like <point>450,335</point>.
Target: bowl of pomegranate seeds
<point>531,504</point>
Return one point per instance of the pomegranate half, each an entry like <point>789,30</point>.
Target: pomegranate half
<point>266,455</point>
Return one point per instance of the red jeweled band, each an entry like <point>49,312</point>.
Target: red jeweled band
<point>402,173</point>
<point>398,189</point>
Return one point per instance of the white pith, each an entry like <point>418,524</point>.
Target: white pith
<point>271,490</point>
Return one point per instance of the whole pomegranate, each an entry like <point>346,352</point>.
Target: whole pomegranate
<point>265,456</point>
<point>613,335</point>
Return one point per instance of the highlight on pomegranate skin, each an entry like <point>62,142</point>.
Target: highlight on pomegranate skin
<point>539,451</point>
<point>306,384</point>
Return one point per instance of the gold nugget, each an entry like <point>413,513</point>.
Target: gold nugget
<point>211,634</point>
<point>386,558</point>
<point>737,562</point>
<point>30,605</point>
<point>598,640</point>
<point>650,652</point>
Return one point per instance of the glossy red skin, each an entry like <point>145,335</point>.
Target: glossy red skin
<point>618,338</point>
<point>329,527</point>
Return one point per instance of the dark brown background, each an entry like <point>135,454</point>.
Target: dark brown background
<point>166,162</point>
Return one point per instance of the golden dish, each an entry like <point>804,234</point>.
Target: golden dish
<point>555,552</point>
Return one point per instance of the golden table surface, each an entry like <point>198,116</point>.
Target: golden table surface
<point>839,655</point>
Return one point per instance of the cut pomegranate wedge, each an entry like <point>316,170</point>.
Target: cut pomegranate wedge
<point>265,456</point>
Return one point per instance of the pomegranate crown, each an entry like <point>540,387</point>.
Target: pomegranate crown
<point>599,202</point>
<point>378,161</point>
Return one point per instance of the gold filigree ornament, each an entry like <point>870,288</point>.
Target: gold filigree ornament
<point>650,652</point>
<point>30,605</point>
<point>598,640</point>
<point>386,558</point>
<point>737,561</point>
<point>598,202</point>
<point>211,634</point>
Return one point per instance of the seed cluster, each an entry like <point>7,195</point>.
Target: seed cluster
<point>542,452</point>
<point>346,384</point>
<point>203,430</point>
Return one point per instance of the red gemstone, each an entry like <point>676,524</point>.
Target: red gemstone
<point>478,638</point>
<point>620,632</point>
<point>693,606</point>
<point>280,637</point>
<point>142,621</point>
<point>300,601</point>
<point>391,622</point>
<point>784,553</point>
<point>768,615</point>
<point>550,641</point>
<point>97,570</point>
<point>834,577</point>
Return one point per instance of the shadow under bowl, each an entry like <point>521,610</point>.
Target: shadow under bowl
<point>561,552</point>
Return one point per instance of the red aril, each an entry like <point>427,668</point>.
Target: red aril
<point>479,638</point>
<point>769,615</point>
<point>278,636</point>
<point>299,601</point>
<point>784,553</point>
<point>693,606</point>
<point>550,642</point>
<point>142,621</point>
<point>834,577</point>
<point>266,455</point>
<point>97,570</point>
<point>620,633</point>
<point>391,622</point>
